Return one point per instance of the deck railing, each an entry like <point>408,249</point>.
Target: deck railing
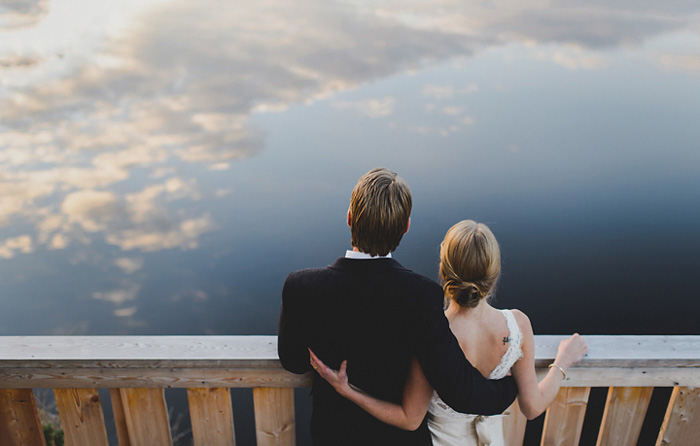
<point>137,369</point>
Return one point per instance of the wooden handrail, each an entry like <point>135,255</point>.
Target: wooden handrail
<point>138,368</point>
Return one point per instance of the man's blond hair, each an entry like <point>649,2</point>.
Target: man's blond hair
<point>380,208</point>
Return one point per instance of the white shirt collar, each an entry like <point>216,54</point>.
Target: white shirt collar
<point>349,254</point>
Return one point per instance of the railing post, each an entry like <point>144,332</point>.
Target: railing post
<point>564,419</point>
<point>623,416</point>
<point>514,425</point>
<point>681,424</point>
<point>146,417</point>
<point>81,417</point>
<point>211,416</point>
<point>19,419</point>
<point>274,416</point>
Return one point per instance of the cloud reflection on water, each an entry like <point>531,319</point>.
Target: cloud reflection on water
<point>97,127</point>
<point>22,13</point>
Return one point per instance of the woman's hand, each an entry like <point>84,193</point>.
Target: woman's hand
<point>337,379</point>
<point>571,351</point>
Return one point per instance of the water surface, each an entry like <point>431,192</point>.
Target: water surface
<point>164,164</point>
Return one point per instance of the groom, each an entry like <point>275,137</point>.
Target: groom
<point>375,313</point>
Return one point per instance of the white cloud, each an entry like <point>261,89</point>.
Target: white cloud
<point>21,13</point>
<point>219,166</point>
<point>195,295</point>
<point>182,235</point>
<point>11,246</point>
<point>119,295</point>
<point>679,62</point>
<point>58,241</point>
<point>452,110</point>
<point>438,92</point>
<point>140,221</point>
<point>223,192</point>
<point>575,58</point>
<point>129,264</point>
<point>93,210</point>
<point>430,130</point>
<point>374,108</point>
<point>126,312</point>
<point>469,89</point>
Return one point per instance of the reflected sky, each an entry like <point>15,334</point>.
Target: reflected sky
<point>164,164</point>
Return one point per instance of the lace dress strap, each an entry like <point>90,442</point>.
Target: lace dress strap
<point>514,351</point>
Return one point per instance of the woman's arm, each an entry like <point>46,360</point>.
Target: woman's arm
<point>409,415</point>
<point>534,397</point>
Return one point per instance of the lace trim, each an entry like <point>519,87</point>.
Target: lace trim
<point>514,351</point>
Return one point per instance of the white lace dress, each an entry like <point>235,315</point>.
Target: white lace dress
<point>450,428</point>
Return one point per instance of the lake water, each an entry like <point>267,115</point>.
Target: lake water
<point>165,164</point>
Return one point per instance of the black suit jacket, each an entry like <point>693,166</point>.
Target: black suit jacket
<point>377,315</point>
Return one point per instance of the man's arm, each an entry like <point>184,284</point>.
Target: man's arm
<point>458,383</point>
<point>291,340</point>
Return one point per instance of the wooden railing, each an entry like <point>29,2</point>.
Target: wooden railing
<point>137,369</point>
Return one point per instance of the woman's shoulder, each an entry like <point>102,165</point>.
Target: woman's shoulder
<point>523,321</point>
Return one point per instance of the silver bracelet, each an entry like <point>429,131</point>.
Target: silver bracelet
<point>557,366</point>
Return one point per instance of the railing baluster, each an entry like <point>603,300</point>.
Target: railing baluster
<point>514,425</point>
<point>119,421</point>
<point>212,416</point>
<point>625,409</point>
<point>681,424</point>
<point>19,419</point>
<point>564,419</point>
<point>81,417</point>
<point>146,417</point>
<point>274,416</point>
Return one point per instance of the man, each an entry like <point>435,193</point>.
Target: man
<point>375,313</point>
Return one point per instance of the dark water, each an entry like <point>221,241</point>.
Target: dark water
<point>163,166</point>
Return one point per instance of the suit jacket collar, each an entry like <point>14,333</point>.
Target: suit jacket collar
<point>367,265</point>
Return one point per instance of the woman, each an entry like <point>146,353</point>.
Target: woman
<point>495,341</point>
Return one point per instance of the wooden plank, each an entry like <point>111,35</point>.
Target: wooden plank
<point>212,416</point>
<point>19,419</point>
<point>564,418</point>
<point>149,348</point>
<point>681,424</point>
<point>119,418</point>
<point>146,417</point>
<point>514,425</point>
<point>274,416</point>
<point>81,417</point>
<point>261,351</point>
<point>251,361</point>
<point>154,376</point>
<point>246,378</point>
<point>629,376</point>
<point>625,409</point>
<point>626,350</point>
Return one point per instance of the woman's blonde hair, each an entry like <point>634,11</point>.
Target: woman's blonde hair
<point>470,263</point>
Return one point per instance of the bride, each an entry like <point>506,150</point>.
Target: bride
<point>495,341</point>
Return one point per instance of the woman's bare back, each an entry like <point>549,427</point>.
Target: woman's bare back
<point>482,333</point>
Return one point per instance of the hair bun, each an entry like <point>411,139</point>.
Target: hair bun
<point>469,295</point>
